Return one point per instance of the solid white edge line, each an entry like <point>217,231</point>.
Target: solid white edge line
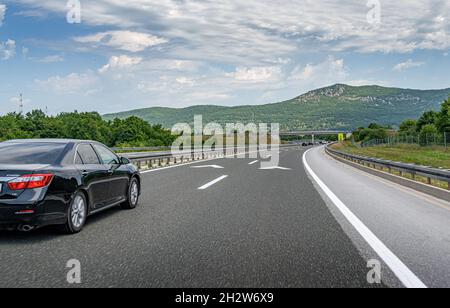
<point>253,162</point>
<point>403,273</point>
<point>213,182</point>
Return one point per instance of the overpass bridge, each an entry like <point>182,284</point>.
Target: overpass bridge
<point>314,133</point>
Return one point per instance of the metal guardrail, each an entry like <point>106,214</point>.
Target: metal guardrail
<point>403,168</point>
<point>152,160</point>
<point>139,149</point>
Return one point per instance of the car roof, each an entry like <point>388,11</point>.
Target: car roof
<point>60,141</point>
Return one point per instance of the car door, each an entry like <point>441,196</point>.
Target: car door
<point>119,173</point>
<point>95,175</point>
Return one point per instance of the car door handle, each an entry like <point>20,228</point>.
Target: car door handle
<point>84,172</point>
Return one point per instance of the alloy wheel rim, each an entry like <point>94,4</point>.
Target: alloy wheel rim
<point>134,193</point>
<point>78,212</point>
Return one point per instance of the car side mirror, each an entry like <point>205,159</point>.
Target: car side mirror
<point>125,161</point>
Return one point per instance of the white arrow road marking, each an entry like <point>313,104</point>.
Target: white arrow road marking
<point>406,276</point>
<point>253,162</point>
<point>208,166</point>
<point>274,168</point>
<point>213,182</point>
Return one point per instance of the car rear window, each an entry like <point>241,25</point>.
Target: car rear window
<point>30,153</point>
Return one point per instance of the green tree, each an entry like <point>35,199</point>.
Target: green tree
<point>408,126</point>
<point>428,117</point>
<point>374,126</point>
<point>12,127</point>
<point>443,118</point>
<point>367,134</point>
<point>429,129</point>
<point>87,126</point>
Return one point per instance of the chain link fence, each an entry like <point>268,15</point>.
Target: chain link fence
<point>423,140</point>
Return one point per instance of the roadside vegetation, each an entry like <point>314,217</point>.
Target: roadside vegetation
<point>424,141</point>
<point>129,132</point>
<point>431,123</point>
<point>436,157</point>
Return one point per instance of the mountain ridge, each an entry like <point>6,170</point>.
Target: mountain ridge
<point>339,106</point>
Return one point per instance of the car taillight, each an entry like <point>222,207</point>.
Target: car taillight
<point>30,181</point>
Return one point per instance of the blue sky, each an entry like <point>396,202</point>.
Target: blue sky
<point>175,53</point>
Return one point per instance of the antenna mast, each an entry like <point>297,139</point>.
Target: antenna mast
<point>21,103</point>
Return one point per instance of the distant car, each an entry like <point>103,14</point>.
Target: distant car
<point>61,182</point>
<point>304,144</point>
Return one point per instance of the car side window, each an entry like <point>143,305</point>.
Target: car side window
<point>88,155</point>
<point>78,159</point>
<point>107,156</point>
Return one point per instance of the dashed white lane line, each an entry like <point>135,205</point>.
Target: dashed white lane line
<point>208,166</point>
<point>403,273</point>
<point>194,162</point>
<point>206,186</point>
<point>253,162</point>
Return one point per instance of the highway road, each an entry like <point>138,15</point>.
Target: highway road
<point>227,223</point>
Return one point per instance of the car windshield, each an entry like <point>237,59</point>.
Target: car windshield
<point>30,153</point>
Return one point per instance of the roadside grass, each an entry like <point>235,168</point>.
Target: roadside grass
<point>436,157</point>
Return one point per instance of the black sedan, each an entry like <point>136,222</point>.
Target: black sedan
<point>61,182</point>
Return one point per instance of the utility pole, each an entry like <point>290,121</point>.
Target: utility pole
<point>20,103</point>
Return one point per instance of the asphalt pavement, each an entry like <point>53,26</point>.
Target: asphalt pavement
<point>246,228</point>
<point>229,223</point>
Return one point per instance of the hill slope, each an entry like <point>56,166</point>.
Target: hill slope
<point>336,107</point>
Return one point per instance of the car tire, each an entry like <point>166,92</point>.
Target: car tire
<point>76,214</point>
<point>133,195</point>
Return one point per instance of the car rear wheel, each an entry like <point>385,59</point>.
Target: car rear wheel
<point>77,214</point>
<point>133,195</point>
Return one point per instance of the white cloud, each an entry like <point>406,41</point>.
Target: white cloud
<point>365,82</point>
<point>123,40</point>
<point>31,13</point>
<point>244,33</point>
<point>79,84</point>
<point>198,97</point>
<point>185,81</point>
<point>7,49</point>
<point>233,51</point>
<point>25,52</point>
<point>407,65</point>
<point>120,62</point>
<point>256,74</point>
<point>2,13</point>
<point>50,59</point>
<point>330,71</point>
<point>15,100</point>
